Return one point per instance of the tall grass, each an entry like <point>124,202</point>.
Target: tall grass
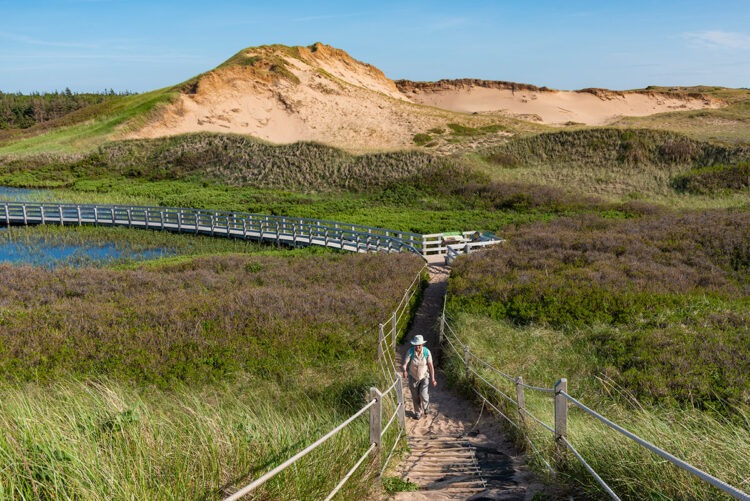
<point>106,440</point>
<point>714,443</point>
<point>264,354</point>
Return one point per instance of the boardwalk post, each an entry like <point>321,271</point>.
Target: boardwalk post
<point>376,416</point>
<point>521,400</point>
<point>400,400</point>
<point>381,339</point>
<point>561,419</point>
<point>60,211</point>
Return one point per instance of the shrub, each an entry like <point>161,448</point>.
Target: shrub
<point>422,139</point>
<point>672,289</point>
<point>714,179</point>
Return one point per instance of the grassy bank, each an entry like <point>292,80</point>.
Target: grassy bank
<point>714,442</point>
<point>186,378</point>
<point>617,164</point>
<point>646,317</point>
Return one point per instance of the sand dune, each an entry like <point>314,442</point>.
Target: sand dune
<point>590,107</point>
<point>319,93</point>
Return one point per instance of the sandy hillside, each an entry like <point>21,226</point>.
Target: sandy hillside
<point>314,94</point>
<point>319,93</point>
<point>552,107</point>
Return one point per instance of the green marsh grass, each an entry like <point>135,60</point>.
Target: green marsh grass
<point>187,378</point>
<point>714,443</point>
<point>647,319</point>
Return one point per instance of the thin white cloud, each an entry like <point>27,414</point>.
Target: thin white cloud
<point>24,39</point>
<point>448,23</point>
<point>720,39</point>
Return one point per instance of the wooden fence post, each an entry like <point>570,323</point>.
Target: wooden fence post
<point>376,416</point>
<point>381,338</point>
<point>521,400</point>
<point>561,419</point>
<point>394,322</point>
<point>400,401</point>
<point>467,359</point>
<point>441,331</point>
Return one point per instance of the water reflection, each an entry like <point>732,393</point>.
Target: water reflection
<point>16,249</point>
<point>8,194</point>
<point>53,255</point>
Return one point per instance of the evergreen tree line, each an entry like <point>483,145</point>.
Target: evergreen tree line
<point>20,111</point>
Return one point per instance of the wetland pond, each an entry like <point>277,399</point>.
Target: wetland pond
<point>51,247</point>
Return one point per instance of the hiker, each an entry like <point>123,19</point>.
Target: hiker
<point>419,364</point>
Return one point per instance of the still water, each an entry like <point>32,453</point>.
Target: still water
<point>23,194</point>
<point>16,249</point>
<point>52,255</point>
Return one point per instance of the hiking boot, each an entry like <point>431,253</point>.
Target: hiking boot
<point>419,414</point>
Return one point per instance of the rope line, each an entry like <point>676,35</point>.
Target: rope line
<point>719,484</point>
<point>350,473</point>
<point>591,470</point>
<point>534,448</point>
<point>286,464</point>
<point>390,454</point>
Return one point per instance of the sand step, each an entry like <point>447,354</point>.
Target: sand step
<point>457,469</point>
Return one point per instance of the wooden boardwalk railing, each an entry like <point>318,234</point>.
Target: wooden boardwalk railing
<point>263,228</point>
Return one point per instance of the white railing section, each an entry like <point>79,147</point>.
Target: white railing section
<point>259,227</point>
<point>376,404</point>
<point>451,244</point>
<point>279,229</point>
<point>561,400</point>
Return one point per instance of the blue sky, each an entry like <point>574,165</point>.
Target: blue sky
<point>91,45</point>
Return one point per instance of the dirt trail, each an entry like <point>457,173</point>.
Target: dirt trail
<point>456,450</point>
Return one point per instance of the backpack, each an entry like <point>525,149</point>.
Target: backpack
<point>426,353</point>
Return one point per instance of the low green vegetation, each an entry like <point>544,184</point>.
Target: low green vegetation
<point>86,128</point>
<point>714,180</point>
<point>617,164</point>
<point>646,317</point>
<point>186,378</point>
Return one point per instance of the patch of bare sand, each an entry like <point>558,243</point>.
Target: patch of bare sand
<point>556,107</point>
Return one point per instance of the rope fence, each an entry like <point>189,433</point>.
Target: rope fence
<point>561,400</point>
<point>392,395</point>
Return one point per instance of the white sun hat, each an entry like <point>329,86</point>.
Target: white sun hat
<point>418,339</point>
